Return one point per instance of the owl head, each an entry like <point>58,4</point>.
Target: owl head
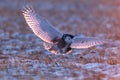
<point>67,38</point>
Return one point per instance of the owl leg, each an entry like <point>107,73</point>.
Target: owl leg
<point>51,48</point>
<point>47,46</point>
<point>66,49</point>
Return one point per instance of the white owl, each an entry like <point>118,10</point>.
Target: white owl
<point>55,41</point>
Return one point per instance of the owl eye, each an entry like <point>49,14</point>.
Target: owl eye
<point>69,38</point>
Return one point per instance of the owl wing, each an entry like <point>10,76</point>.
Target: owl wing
<point>40,26</point>
<point>79,42</point>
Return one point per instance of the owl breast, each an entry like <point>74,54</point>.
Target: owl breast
<point>60,47</point>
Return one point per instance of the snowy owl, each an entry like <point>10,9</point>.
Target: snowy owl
<point>54,40</point>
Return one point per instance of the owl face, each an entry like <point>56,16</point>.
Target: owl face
<point>68,38</point>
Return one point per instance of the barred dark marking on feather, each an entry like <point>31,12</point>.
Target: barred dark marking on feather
<point>40,26</point>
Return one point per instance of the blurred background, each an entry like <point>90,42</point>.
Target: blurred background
<point>20,59</point>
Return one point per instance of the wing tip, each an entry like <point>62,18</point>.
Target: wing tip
<point>27,9</point>
<point>106,41</point>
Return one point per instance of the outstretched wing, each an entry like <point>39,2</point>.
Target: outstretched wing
<point>40,26</point>
<point>78,42</point>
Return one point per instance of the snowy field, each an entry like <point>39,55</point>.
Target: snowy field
<point>22,56</point>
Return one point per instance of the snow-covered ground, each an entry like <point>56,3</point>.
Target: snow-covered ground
<point>22,56</point>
